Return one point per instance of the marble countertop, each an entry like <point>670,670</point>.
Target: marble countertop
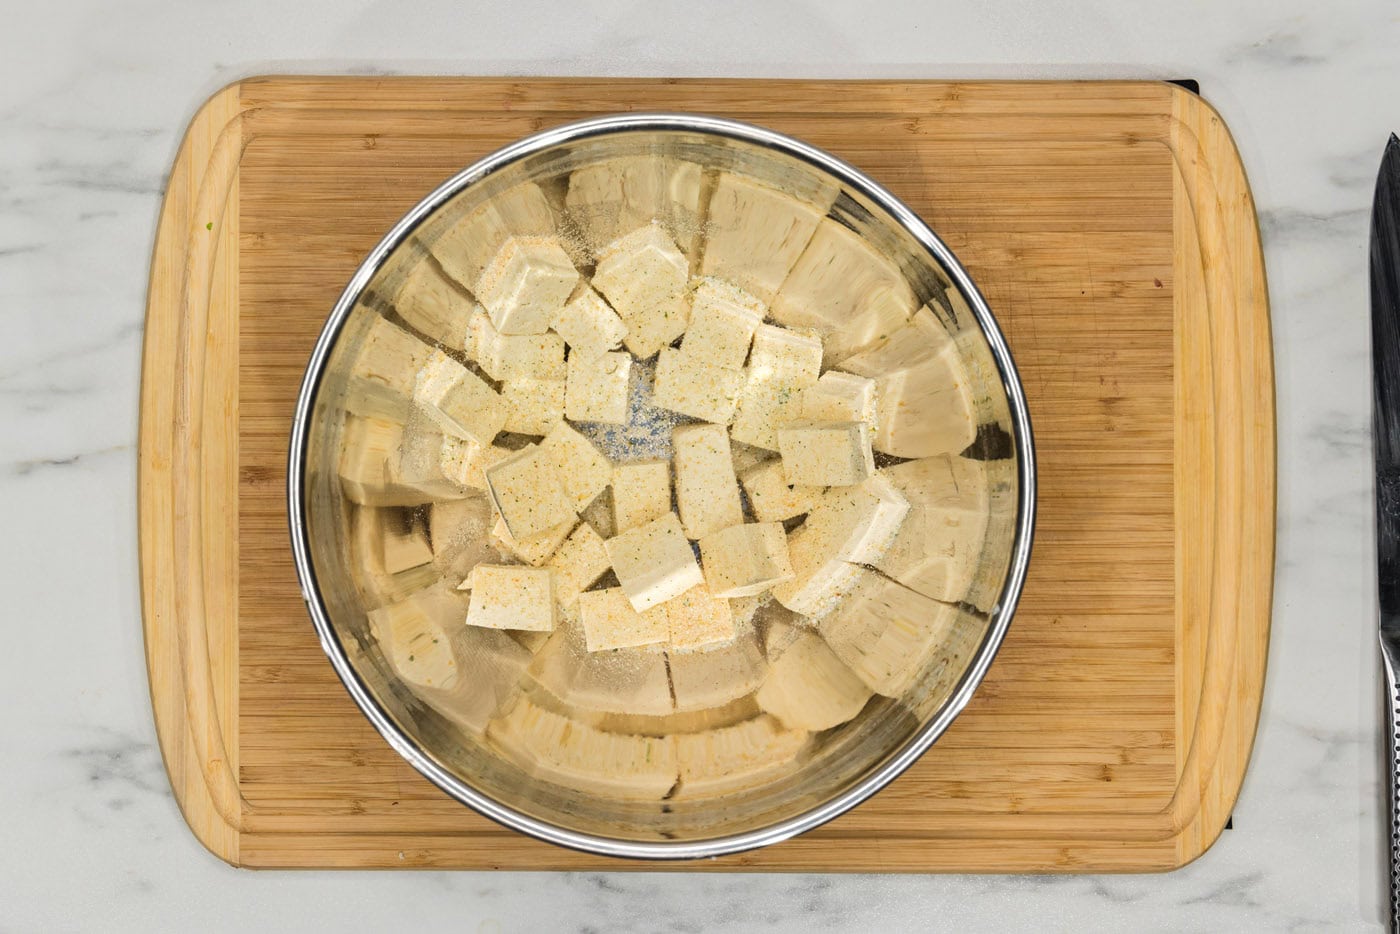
<point>92,105</point>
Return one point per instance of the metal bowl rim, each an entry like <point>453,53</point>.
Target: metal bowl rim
<point>895,762</point>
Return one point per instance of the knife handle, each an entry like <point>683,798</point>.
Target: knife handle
<point>1392,744</point>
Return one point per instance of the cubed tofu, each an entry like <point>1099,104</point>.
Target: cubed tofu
<point>405,546</point>
<point>517,356</point>
<point>847,290</point>
<point>826,453</point>
<point>654,562</point>
<point>723,318</point>
<point>512,597</point>
<point>809,688</point>
<point>578,564</point>
<point>535,550</point>
<point>466,247</point>
<point>755,234</point>
<point>533,406</point>
<point>782,364</point>
<point>939,545</point>
<point>923,397</point>
<point>609,198</point>
<point>744,560</point>
<point>611,622</point>
<point>643,277</point>
<point>840,397</point>
<point>584,470</point>
<point>641,492</point>
<point>588,324</point>
<point>694,387</point>
<point>465,462</point>
<point>733,758</point>
<point>527,283</point>
<point>385,366</point>
<point>697,618</point>
<point>707,492</point>
<point>773,499</point>
<point>458,401</point>
<point>851,526</point>
<point>597,387</point>
<point>528,493</point>
<point>434,306</point>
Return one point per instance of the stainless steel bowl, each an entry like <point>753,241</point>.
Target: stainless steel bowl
<point>852,762</point>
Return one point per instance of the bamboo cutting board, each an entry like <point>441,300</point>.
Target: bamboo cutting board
<point>1111,229</point>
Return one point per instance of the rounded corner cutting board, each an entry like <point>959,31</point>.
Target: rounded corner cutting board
<point>1109,225</point>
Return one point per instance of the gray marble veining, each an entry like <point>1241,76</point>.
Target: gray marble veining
<point>92,103</point>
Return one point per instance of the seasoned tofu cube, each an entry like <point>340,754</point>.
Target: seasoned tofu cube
<point>607,199</point>
<point>527,283</point>
<point>643,277</point>
<point>383,373</point>
<point>754,233</point>
<point>641,492</point>
<point>773,499</point>
<point>654,562</point>
<point>467,246</point>
<point>782,364</point>
<point>533,406</point>
<point>597,387</point>
<point>723,318</point>
<point>847,290</point>
<point>458,401</point>
<point>518,356</point>
<point>694,387</point>
<point>405,546</point>
<point>698,618</point>
<point>434,306</point>
<point>840,397</point>
<point>923,398</point>
<point>465,462</point>
<point>512,597</point>
<point>826,453</point>
<point>528,494</point>
<point>744,560</point>
<point>535,550</point>
<point>851,526</point>
<point>611,622</point>
<point>584,470</point>
<point>707,492</point>
<point>588,325</point>
<point>578,564</point>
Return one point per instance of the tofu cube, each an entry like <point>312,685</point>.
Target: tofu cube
<point>535,550</point>
<point>745,560</point>
<point>578,564</point>
<point>826,453</point>
<point>694,387</point>
<point>458,401</point>
<point>584,470</point>
<point>641,492</point>
<point>512,597</point>
<point>533,406</point>
<point>707,492</point>
<point>528,494</point>
<point>465,462</point>
<point>723,318</point>
<point>527,283</point>
<point>434,306</point>
<point>643,276</point>
<point>382,377</point>
<point>611,622</point>
<point>782,364</point>
<point>773,499</point>
<point>518,356</point>
<point>840,397</point>
<point>755,234</point>
<point>588,324</point>
<point>597,387</point>
<point>654,562</point>
<point>698,618</point>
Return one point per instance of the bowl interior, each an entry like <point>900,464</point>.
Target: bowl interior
<point>835,764</point>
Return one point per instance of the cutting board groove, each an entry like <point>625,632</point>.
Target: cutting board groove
<point>1109,225</point>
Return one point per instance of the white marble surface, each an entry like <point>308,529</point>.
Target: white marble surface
<point>93,98</point>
